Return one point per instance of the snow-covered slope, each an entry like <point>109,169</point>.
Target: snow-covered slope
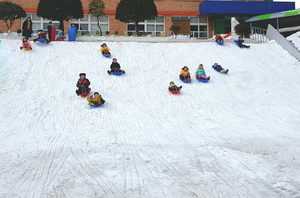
<point>236,136</point>
<point>295,39</point>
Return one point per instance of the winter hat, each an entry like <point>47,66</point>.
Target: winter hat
<point>82,74</point>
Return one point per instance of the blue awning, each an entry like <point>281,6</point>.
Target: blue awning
<point>243,7</point>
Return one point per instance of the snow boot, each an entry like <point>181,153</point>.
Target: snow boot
<point>108,72</point>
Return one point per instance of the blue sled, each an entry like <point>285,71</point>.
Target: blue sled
<point>41,40</point>
<point>92,106</point>
<point>116,73</point>
<point>220,43</point>
<point>203,80</point>
<point>185,81</point>
<point>237,43</point>
<point>107,55</point>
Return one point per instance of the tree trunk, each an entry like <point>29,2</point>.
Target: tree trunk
<point>61,25</point>
<point>11,24</point>
<point>137,28</point>
<point>98,20</point>
<point>7,26</point>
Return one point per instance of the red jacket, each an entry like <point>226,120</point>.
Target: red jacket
<point>218,36</point>
<point>84,82</point>
<point>26,44</point>
<point>42,35</point>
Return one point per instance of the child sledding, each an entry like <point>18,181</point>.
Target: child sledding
<point>174,88</point>
<point>60,36</point>
<point>95,101</point>
<point>83,85</point>
<point>219,68</point>
<point>201,74</point>
<point>26,45</point>
<point>240,42</point>
<point>115,68</point>
<point>105,50</point>
<point>219,39</point>
<point>185,75</point>
<point>42,37</point>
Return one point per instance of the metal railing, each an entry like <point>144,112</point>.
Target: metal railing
<point>259,34</point>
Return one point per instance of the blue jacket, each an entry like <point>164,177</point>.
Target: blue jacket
<point>60,35</point>
<point>200,72</point>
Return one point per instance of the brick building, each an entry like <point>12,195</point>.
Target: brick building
<point>199,18</point>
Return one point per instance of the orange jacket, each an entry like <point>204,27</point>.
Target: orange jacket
<point>184,73</point>
<point>103,49</point>
<point>97,99</point>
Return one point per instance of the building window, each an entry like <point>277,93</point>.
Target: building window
<point>148,27</point>
<point>89,25</point>
<point>199,27</point>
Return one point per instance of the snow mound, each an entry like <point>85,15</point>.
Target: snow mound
<point>236,136</point>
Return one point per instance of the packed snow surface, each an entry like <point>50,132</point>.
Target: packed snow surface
<point>236,136</point>
<point>295,39</point>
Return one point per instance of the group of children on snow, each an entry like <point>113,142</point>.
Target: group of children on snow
<point>200,73</point>
<point>219,38</point>
<point>83,84</point>
<point>42,36</point>
<point>83,87</point>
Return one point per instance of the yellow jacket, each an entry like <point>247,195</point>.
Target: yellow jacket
<point>184,73</point>
<point>103,49</point>
<point>97,99</point>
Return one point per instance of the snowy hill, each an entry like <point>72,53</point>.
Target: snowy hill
<point>236,136</point>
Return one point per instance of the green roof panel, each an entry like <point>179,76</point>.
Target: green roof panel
<point>292,12</point>
<point>264,16</point>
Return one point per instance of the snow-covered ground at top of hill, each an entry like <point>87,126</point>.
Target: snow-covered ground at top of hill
<point>236,136</point>
<point>295,39</point>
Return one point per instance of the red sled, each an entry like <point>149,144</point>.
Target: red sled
<point>85,94</point>
<point>60,39</point>
<point>175,92</point>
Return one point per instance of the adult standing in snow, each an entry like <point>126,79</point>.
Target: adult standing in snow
<point>72,32</point>
<point>27,28</point>
<point>50,27</point>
